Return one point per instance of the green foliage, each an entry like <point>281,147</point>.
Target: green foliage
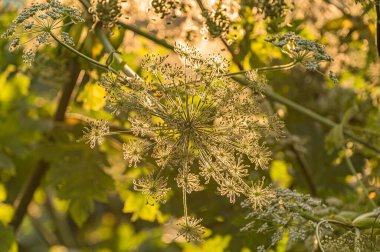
<point>182,129</point>
<point>78,175</point>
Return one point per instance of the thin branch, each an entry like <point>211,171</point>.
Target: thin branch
<point>91,60</point>
<point>22,202</point>
<point>354,173</point>
<point>109,48</point>
<point>145,34</point>
<point>304,169</point>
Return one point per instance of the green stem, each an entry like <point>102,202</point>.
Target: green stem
<point>109,48</point>
<point>354,173</point>
<point>326,221</point>
<point>92,61</point>
<point>264,69</point>
<point>363,130</point>
<point>145,34</point>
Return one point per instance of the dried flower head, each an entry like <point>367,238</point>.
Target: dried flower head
<point>95,132</point>
<point>259,195</point>
<point>195,115</point>
<point>153,187</point>
<point>188,180</point>
<point>134,150</point>
<point>38,23</point>
<point>106,12</point>
<point>190,228</point>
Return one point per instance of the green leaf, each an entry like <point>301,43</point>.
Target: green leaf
<point>78,175</point>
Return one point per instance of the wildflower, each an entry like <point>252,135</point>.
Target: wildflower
<point>95,132</point>
<point>194,114</point>
<point>306,52</point>
<point>238,168</point>
<point>219,64</point>
<point>282,211</point>
<point>154,188</point>
<point>189,181</point>
<point>190,228</point>
<point>273,9</point>
<point>39,23</point>
<point>106,12</point>
<point>134,150</point>
<point>230,188</point>
<point>259,196</point>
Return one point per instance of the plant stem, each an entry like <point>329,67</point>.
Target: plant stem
<point>109,48</point>
<point>265,69</point>
<point>145,34</point>
<point>363,130</point>
<point>21,204</point>
<point>304,169</point>
<point>326,221</point>
<point>92,61</point>
<point>354,173</point>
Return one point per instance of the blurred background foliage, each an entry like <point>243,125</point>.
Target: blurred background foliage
<point>86,201</point>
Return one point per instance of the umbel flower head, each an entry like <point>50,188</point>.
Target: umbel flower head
<point>304,51</point>
<point>107,12</point>
<point>190,229</point>
<point>36,24</point>
<point>96,131</point>
<point>196,121</point>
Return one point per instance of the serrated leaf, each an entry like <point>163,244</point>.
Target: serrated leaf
<point>78,175</point>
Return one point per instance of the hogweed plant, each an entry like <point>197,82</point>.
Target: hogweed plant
<point>194,119</point>
<point>192,115</point>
